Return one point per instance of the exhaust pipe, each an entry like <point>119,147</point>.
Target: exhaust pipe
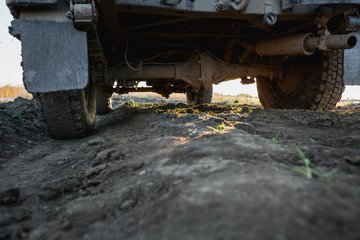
<point>303,44</point>
<point>332,42</point>
<point>289,45</point>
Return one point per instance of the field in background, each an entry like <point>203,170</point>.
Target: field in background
<point>217,98</point>
<point>13,92</point>
<point>16,91</point>
<point>8,92</point>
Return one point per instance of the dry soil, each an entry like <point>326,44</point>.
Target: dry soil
<point>170,171</point>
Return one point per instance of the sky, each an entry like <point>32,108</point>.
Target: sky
<point>11,71</point>
<point>10,58</point>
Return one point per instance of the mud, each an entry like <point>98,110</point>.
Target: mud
<point>169,171</point>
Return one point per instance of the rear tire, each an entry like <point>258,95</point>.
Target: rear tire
<point>68,114</point>
<point>314,82</point>
<point>203,96</point>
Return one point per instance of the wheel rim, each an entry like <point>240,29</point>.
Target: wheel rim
<point>289,83</point>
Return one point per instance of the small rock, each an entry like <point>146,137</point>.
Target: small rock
<point>92,171</point>
<point>133,166</point>
<point>128,204</point>
<point>96,141</point>
<point>245,127</point>
<point>103,156</point>
<point>49,193</point>
<point>325,120</point>
<point>142,173</point>
<point>9,196</point>
<point>54,189</point>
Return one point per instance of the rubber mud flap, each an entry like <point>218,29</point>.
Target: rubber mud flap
<point>352,65</point>
<point>54,55</point>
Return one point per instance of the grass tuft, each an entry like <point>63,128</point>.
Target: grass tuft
<point>343,124</point>
<point>310,169</point>
<point>9,91</point>
<point>220,128</point>
<point>63,201</point>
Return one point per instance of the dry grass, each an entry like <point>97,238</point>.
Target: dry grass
<point>9,91</point>
<point>13,92</point>
<point>174,96</point>
<point>241,98</point>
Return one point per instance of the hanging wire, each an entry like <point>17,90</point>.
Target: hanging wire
<point>126,59</point>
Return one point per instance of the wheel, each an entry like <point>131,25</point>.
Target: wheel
<point>103,100</point>
<point>194,98</point>
<point>67,114</point>
<point>314,82</point>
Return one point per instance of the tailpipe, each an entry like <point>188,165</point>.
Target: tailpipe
<point>303,44</point>
<point>331,42</point>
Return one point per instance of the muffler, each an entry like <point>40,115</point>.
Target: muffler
<point>303,44</point>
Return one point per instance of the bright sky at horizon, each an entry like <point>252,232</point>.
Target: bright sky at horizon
<point>10,58</point>
<point>11,71</point>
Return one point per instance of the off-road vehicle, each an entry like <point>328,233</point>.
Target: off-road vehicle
<point>77,53</point>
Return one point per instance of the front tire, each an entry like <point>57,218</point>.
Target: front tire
<point>314,83</point>
<point>68,114</point>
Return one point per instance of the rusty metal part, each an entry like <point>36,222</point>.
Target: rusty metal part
<point>163,91</point>
<point>332,42</point>
<point>200,71</point>
<point>128,90</point>
<point>289,45</point>
<point>149,72</point>
<point>84,13</point>
<point>303,44</point>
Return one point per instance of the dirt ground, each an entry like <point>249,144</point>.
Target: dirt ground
<point>169,171</point>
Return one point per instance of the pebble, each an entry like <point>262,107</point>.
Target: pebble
<point>127,204</point>
<point>103,156</point>
<point>49,193</point>
<point>95,170</point>
<point>325,120</point>
<point>9,196</point>
<point>96,141</point>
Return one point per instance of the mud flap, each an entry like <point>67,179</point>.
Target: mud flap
<point>54,56</point>
<point>352,65</point>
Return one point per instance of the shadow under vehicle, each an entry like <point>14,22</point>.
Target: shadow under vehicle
<point>77,53</point>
